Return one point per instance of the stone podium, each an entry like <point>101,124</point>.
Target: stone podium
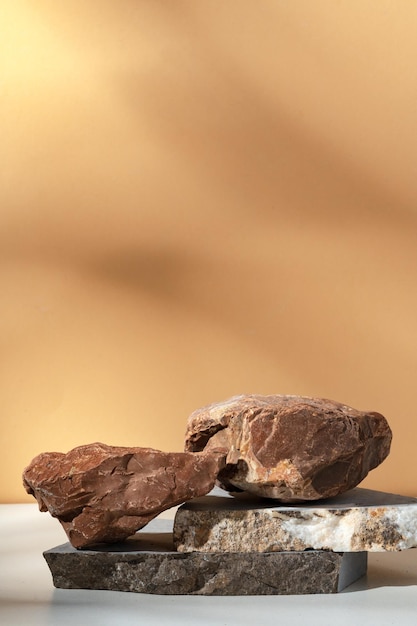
<point>219,545</point>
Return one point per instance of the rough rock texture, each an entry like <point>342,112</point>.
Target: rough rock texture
<point>104,493</point>
<point>357,521</point>
<point>290,448</point>
<point>148,563</point>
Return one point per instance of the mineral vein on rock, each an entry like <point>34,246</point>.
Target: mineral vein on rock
<point>103,493</point>
<point>290,448</point>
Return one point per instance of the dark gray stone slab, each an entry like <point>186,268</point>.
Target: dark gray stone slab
<point>148,563</point>
<point>355,498</point>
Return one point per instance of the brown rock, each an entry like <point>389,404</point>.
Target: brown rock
<point>290,448</point>
<point>103,493</point>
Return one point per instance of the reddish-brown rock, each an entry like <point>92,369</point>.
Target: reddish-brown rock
<point>103,493</point>
<point>290,448</point>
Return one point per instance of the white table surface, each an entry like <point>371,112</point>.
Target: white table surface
<point>387,596</point>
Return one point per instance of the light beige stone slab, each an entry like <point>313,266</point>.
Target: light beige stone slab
<point>357,521</point>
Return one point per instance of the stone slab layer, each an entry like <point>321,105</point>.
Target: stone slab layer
<point>359,520</point>
<point>148,563</point>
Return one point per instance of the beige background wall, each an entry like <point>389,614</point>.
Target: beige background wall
<point>200,199</point>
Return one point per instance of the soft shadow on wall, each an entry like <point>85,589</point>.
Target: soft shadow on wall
<point>201,200</point>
